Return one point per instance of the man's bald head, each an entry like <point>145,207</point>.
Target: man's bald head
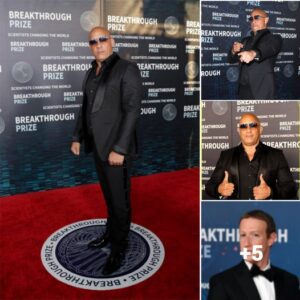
<point>260,11</point>
<point>259,19</point>
<point>101,43</point>
<point>101,29</point>
<point>249,115</point>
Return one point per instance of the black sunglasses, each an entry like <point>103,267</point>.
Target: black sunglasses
<point>246,125</point>
<point>100,39</point>
<point>257,17</point>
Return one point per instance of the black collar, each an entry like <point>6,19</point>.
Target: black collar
<point>107,62</point>
<point>259,32</point>
<point>259,147</point>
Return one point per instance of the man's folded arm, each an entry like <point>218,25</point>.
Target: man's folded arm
<point>271,47</point>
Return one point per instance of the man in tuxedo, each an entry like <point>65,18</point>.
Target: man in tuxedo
<point>255,278</point>
<point>256,55</point>
<point>112,93</point>
<point>251,170</point>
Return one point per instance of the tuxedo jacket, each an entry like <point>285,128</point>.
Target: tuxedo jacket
<point>259,74</point>
<point>115,110</point>
<point>273,166</point>
<point>237,284</point>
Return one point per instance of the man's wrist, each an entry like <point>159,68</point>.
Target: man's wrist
<point>256,54</point>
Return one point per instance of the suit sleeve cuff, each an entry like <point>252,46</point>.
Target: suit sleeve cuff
<point>76,139</point>
<point>119,150</point>
<point>258,54</point>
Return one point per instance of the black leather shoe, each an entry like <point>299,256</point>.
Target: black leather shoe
<point>99,242</point>
<point>113,263</point>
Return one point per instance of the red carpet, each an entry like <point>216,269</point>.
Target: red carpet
<point>165,203</point>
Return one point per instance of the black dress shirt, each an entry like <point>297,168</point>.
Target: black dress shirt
<point>92,84</point>
<point>248,171</point>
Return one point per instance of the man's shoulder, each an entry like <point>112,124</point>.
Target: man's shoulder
<point>125,67</point>
<point>285,274</point>
<point>125,62</point>
<point>271,36</point>
<point>270,149</point>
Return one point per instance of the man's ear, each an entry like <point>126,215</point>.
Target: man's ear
<point>266,21</point>
<point>261,129</point>
<point>113,43</point>
<point>272,239</point>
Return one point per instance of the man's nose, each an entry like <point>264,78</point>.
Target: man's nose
<point>99,45</point>
<point>247,241</point>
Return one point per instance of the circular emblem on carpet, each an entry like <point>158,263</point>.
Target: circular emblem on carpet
<point>67,257</point>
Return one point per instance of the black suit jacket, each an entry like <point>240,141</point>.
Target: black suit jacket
<point>273,166</point>
<point>236,283</point>
<point>259,74</point>
<point>115,109</point>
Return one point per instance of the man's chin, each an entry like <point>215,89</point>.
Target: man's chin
<point>250,143</point>
<point>252,261</point>
<point>101,57</point>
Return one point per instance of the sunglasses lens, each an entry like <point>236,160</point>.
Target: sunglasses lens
<point>257,17</point>
<point>246,125</point>
<point>92,42</point>
<point>103,39</point>
<point>253,125</point>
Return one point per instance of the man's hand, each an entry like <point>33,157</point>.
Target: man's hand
<point>115,159</point>
<point>247,56</point>
<point>236,47</point>
<point>262,191</point>
<point>75,148</point>
<point>226,188</point>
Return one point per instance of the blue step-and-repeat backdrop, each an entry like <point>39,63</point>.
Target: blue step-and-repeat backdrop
<point>220,237</point>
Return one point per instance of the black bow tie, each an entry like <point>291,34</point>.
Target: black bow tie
<point>269,274</point>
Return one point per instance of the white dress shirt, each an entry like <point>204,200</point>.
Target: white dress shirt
<point>266,288</point>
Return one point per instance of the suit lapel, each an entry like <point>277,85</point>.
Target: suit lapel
<point>234,170</point>
<point>85,79</point>
<point>258,37</point>
<point>262,165</point>
<point>246,282</point>
<point>279,288</point>
<point>99,97</point>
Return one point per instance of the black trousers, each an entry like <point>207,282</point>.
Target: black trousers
<point>115,185</point>
<point>245,92</point>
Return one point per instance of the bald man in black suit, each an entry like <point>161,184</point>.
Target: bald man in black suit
<point>251,170</point>
<point>257,54</point>
<point>112,93</point>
